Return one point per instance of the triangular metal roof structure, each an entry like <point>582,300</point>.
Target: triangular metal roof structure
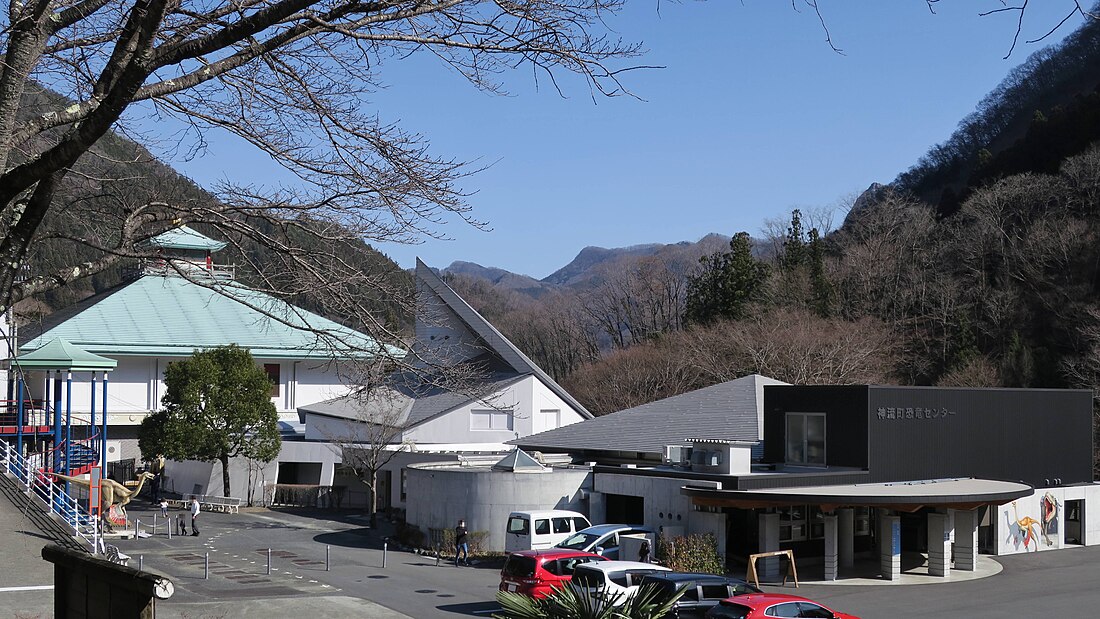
<point>185,238</point>
<point>490,339</point>
<point>519,461</point>
<point>59,354</point>
<point>173,316</point>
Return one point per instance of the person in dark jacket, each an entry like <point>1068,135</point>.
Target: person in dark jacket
<point>461,543</point>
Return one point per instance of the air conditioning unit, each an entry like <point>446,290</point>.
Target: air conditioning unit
<point>714,458</point>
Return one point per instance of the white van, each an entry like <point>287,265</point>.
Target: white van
<point>542,529</point>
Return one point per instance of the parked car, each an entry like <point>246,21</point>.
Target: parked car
<point>603,539</point>
<point>541,529</point>
<point>701,591</point>
<point>537,572</point>
<point>604,580</point>
<point>761,605</point>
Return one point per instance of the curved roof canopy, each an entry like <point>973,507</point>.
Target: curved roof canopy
<point>59,354</point>
<point>905,496</point>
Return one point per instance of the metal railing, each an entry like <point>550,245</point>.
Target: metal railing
<point>38,484</point>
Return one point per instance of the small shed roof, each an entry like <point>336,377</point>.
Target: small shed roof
<point>59,354</point>
<point>185,238</point>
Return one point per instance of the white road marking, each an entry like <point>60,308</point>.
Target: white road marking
<point>29,588</point>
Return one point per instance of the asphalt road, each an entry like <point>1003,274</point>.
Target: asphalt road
<point>1058,584</point>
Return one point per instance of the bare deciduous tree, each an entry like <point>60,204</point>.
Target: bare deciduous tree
<point>290,77</point>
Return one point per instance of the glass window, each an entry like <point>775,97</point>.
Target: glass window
<point>580,523</point>
<point>552,567</point>
<point>404,483</point>
<point>716,591</point>
<point>589,579</point>
<point>787,609</point>
<point>808,609</point>
<point>542,526</point>
<point>518,566</point>
<point>490,420</point>
<point>619,578</point>
<point>806,438</point>
<point>561,525</point>
<point>518,524</point>
<point>691,594</point>
<point>273,374</point>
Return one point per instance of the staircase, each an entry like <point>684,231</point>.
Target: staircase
<point>58,515</point>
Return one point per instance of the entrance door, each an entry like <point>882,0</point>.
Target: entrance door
<point>1075,519</point>
<point>384,479</point>
<point>624,509</point>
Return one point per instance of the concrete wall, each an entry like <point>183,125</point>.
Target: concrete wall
<point>439,496</point>
<point>1012,520</point>
<point>665,507</point>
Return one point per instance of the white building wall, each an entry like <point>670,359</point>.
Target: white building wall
<point>438,497</point>
<point>1012,520</point>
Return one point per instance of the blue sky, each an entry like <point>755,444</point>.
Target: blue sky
<point>752,115</point>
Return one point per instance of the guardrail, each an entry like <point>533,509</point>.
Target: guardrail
<point>209,502</point>
<point>38,484</point>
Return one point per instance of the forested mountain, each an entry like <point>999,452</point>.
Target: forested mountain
<point>119,174</point>
<point>979,266</point>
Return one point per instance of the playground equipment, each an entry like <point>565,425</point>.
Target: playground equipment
<point>41,441</point>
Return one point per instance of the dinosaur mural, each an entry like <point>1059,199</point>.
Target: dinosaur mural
<point>1049,505</point>
<point>1025,528</point>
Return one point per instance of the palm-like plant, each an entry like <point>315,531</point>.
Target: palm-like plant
<point>648,602</point>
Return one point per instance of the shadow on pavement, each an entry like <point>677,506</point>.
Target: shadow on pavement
<point>477,609</point>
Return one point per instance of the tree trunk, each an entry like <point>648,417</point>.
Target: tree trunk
<point>225,474</point>
<point>373,499</point>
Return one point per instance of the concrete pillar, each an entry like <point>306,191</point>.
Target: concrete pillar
<point>597,507</point>
<point>846,526</point>
<point>832,543</point>
<point>889,546</point>
<point>939,545</point>
<point>966,539</point>
<point>768,569</point>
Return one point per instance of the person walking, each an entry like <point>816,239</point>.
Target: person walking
<point>643,552</point>
<point>164,508</point>
<point>194,516</point>
<point>462,547</point>
<point>181,526</point>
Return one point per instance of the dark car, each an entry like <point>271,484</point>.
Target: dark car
<point>537,572</point>
<point>766,605</point>
<point>701,591</point>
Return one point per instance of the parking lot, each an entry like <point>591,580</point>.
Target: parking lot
<point>411,585</point>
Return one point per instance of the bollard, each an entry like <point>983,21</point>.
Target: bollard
<point>141,562</point>
<point>137,523</point>
<point>206,574</point>
<point>154,524</point>
<point>385,549</point>
<point>437,556</point>
<point>328,557</point>
<point>170,523</point>
<point>268,561</point>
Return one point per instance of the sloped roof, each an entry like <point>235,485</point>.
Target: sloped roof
<point>418,402</point>
<point>172,316</point>
<point>519,461</point>
<point>732,410</point>
<point>185,238</point>
<point>61,355</point>
<point>494,341</point>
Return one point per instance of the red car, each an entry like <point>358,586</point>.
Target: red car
<point>760,605</point>
<point>537,572</point>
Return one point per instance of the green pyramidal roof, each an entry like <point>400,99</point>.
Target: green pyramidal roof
<point>61,355</point>
<point>171,316</point>
<point>185,238</point>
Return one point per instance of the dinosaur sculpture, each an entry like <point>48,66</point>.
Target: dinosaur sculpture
<point>111,491</point>
<point>1026,523</point>
<point>1049,506</point>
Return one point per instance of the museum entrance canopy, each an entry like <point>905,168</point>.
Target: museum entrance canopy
<point>905,496</point>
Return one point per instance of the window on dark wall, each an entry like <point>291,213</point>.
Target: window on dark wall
<point>404,484</point>
<point>806,438</point>
<point>274,374</point>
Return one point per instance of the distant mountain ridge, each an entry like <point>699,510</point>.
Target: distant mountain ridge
<point>591,263</point>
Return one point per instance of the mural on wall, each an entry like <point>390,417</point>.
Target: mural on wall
<point>1049,506</point>
<point>1022,530</point>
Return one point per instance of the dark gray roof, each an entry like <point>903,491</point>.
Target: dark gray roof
<point>494,341</point>
<point>417,403</point>
<point>731,410</point>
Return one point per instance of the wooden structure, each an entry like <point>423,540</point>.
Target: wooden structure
<point>751,575</point>
<point>92,588</point>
